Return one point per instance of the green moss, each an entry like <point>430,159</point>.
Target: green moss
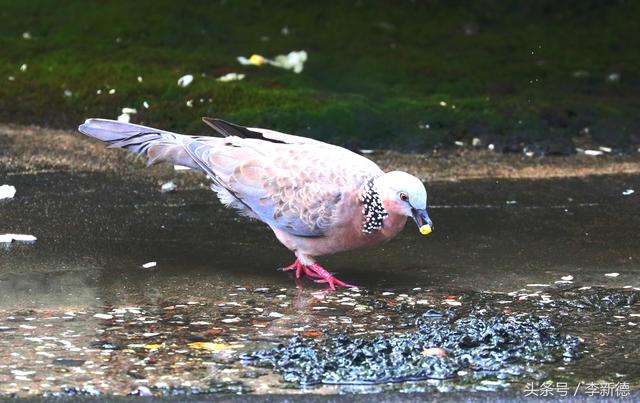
<point>376,74</point>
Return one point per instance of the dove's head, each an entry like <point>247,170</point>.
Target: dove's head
<point>406,195</point>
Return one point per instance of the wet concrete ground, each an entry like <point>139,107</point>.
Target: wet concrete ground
<point>79,315</point>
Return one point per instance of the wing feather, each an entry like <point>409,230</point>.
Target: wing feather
<point>292,183</point>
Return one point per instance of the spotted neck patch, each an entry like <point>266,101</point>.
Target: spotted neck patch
<point>372,208</point>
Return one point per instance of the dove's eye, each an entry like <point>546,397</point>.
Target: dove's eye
<point>404,196</point>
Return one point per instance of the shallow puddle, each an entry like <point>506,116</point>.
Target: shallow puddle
<point>79,314</point>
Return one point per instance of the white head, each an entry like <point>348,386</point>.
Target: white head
<point>405,194</point>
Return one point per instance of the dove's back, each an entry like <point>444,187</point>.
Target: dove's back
<point>292,183</point>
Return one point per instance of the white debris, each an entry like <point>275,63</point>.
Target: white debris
<point>139,79</point>
<point>452,302</point>
<point>476,142</point>
<point>605,149</point>
<point>103,316</point>
<point>593,153</point>
<point>129,111</point>
<point>613,77</point>
<point>628,192</point>
<point>11,78</point>
<point>567,278</point>
<point>459,143</point>
<point>18,372</point>
<point>190,103</point>
<point>231,320</point>
<point>149,265</point>
<point>230,77</point>
<point>181,168</point>
<point>538,285</point>
<point>443,103</point>
<point>367,151</point>
<point>142,391</point>
<point>26,35</point>
<point>112,91</point>
<point>145,104</point>
<point>8,238</point>
<point>491,147</point>
<point>67,93</point>
<point>23,68</point>
<point>124,118</point>
<point>292,61</point>
<point>150,334</point>
<point>511,202</point>
<point>612,274</point>
<point>168,187</point>
<point>275,315</point>
<point>185,80</point>
<point>7,192</point>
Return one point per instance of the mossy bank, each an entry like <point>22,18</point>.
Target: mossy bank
<point>404,75</point>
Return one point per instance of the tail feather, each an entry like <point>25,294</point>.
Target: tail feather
<point>135,138</point>
<point>157,145</point>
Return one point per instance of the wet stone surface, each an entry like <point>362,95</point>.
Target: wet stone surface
<point>444,346</point>
<point>482,341</point>
<point>501,295</point>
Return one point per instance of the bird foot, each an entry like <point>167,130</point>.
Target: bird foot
<point>318,273</point>
<point>300,269</point>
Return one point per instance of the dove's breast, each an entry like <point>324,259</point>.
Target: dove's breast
<point>344,235</point>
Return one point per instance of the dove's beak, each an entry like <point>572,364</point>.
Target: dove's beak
<point>423,221</point>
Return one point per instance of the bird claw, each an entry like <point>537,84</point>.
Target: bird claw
<point>300,268</point>
<point>333,282</point>
<point>318,273</point>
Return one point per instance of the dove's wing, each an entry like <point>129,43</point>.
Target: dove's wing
<point>229,129</point>
<point>297,188</point>
<point>292,183</point>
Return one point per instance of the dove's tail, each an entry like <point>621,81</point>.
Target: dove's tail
<point>157,145</point>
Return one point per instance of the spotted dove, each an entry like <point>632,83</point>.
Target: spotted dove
<point>318,198</point>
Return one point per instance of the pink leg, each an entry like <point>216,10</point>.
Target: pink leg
<point>317,272</point>
<point>326,277</point>
<point>300,268</point>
